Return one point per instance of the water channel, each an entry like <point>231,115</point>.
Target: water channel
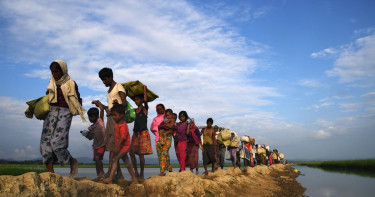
<point>323,183</point>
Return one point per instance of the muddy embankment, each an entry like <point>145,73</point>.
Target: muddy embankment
<point>276,180</point>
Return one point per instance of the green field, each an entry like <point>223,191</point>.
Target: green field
<point>364,164</point>
<point>17,169</point>
<point>364,167</point>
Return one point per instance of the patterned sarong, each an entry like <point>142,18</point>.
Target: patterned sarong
<point>192,155</point>
<point>141,143</point>
<point>54,141</point>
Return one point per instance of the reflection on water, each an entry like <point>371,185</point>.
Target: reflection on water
<point>325,184</point>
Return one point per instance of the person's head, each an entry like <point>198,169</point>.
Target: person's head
<point>209,122</point>
<point>160,109</point>
<point>57,70</point>
<point>93,114</point>
<point>118,112</point>
<point>138,99</point>
<point>183,116</point>
<point>106,75</point>
<point>169,113</point>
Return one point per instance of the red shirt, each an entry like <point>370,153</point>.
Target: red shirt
<point>122,132</point>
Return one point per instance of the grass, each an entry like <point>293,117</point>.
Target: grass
<point>364,164</point>
<point>17,169</point>
<point>364,167</point>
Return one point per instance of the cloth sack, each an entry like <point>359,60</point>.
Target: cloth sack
<point>134,88</point>
<point>281,156</point>
<point>38,107</point>
<point>225,134</point>
<point>245,138</point>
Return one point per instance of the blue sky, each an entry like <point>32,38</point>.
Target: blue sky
<point>297,75</point>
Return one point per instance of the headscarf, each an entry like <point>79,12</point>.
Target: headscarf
<point>52,86</point>
<point>67,86</point>
<point>156,122</point>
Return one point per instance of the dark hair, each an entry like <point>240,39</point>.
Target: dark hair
<point>105,72</point>
<point>119,108</point>
<point>140,96</point>
<point>184,114</point>
<point>210,120</point>
<point>57,65</point>
<point>160,105</point>
<point>93,111</point>
<point>169,110</point>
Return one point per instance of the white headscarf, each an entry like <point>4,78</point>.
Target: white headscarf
<point>67,86</point>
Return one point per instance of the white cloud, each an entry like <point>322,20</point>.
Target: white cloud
<point>356,61</point>
<point>310,83</point>
<point>321,135</point>
<point>324,53</point>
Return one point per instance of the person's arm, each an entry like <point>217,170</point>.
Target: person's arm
<point>188,129</point>
<point>214,137</point>
<point>101,116</point>
<point>123,97</point>
<point>145,110</point>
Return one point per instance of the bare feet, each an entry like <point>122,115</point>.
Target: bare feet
<point>134,181</point>
<point>107,181</point>
<point>170,169</point>
<point>197,172</point>
<point>73,167</point>
<point>161,174</point>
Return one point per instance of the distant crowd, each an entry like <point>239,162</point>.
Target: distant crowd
<point>216,143</point>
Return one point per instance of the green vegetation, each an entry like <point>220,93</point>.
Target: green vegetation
<point>17,169</point>
<point>365,164</point>
<point>364,167</point>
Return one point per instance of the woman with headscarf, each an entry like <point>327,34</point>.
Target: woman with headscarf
<point>160,110</point>
<point>65,102</point>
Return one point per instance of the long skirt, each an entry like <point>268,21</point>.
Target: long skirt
<point>220,156</point>
<point>141,143</point>
<point>54,141</point>
<point>192,156</point>
<point>233,156</point>
<point>110,133</point>
<point>181,156</point>
<point>163,154</point>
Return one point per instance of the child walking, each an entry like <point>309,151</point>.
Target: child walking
<point>97,132</point>
<point>209,143</point>
<point>183,129</point>
<point>65,102</point>
<point>122,143</point>
<point>115,94</point>
<point>141,141</point>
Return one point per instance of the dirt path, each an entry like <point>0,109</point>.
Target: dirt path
<point>276,180</point>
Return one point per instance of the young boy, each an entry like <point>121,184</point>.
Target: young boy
<point>115,94</point>
<point>209,143</point>
<point>141,141</point>
<point>122,143</point>
<point>97,131</point>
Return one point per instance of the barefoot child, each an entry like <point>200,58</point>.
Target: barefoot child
<point>65,102</point>
<point>209,143</point>
<point>166,129</point>
<point>141,141</point>
<point>122,143</point>
<point>183,129</point>
<point>98,134</point>
<point>115,94</point>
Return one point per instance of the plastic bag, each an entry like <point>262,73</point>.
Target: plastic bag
<point>227,156</point>
<point>129,113</point>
